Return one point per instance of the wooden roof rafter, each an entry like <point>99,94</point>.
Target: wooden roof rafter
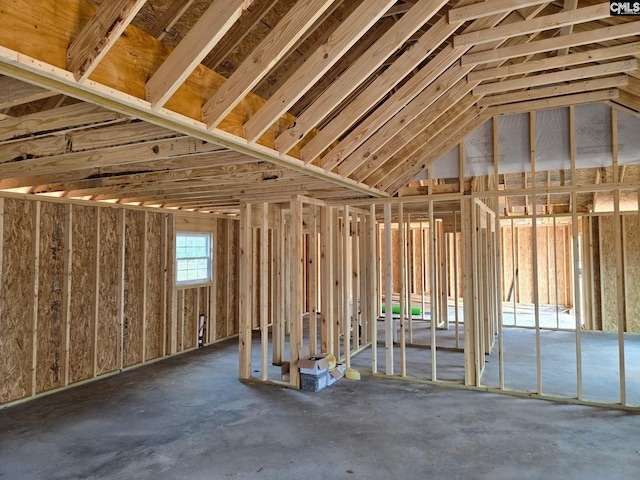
<point>193,48</point>
<point>397,114</point>
<point>277,44</point>
<point>355,103</point>
<point>358,23</point>
<point>554,44</point>
<point>358,72</point>
<point>98,36</point>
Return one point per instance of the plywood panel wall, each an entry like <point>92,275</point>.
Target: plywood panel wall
<point>88,290</point>
<point>51,321</point>
<point>544,277</point>
<point>109,291</point>
<point>171,294</point>
<point>608,274</point>
<point>154,275</point>
<point>631,232</point>
<point>133,327</point>
<point>524,245</point>
<point>82,307</point>
<point>190,315</point>
<point>16,300</point>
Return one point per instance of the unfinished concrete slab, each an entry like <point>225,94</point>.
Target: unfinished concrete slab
<point>189,417</point>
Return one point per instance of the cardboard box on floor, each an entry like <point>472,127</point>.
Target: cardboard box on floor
<point>312,365</point>
<point>335,374</point>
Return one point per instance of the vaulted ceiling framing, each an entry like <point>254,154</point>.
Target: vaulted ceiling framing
<point>197,104</point>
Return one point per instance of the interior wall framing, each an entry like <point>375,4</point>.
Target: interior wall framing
<point>313,290</point>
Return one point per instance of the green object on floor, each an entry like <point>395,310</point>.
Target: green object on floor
<point>396,310</point>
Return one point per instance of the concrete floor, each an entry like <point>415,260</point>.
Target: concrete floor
<point>599,351</point>
<point>189,417</point>
<point>600,364</point>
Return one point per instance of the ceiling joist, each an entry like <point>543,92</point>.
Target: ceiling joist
<point>553,44</point>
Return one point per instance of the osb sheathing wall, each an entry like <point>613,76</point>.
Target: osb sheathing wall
<point>218,300</point>
<point>554,264</point>
<point>86,291</point>
<point>599,263</point>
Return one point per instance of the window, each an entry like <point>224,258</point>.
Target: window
<point>193,258</point>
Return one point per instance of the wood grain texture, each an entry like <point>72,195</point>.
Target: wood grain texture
<point>234,291</point>
<point>543,265</point>
<point>525,264</point>
<point>109,292</point>
<point>190,318</point>
<point>51,315</point>
<point>221,279</point>
<point>44,32</point>
<point>83,281</point>
<point>608,273</point>
<point>133,287</point>
<point>103,29</point>
<point>631,232</point>
<point>154,287</point>
<point>170,285</point>
<point>16,298</point>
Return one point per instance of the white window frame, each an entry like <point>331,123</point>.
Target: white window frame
<point>208,257</point>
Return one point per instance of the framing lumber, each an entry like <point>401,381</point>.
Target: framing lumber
<point>594,55</point>
<point>569,5</point>
<point>72,116</point>
<point>550,44</point>
<point>320,61</point>
<point>359,71</point>
<point>485,9</point>
<point>96,38</point>
<point>96,297</point>
<point>381,170</point>
<point>435,104</point>
<point>557,77</point>
<point>15,92</point>
<point>388,291</point>
<point>163,149</point>
<point>264,291</point>
<point>374,286</point>
<point>555,91</point>
<point>246,291</point>
<point>411,99</point>
<point>346,287</point>
<point>329,22</point>
<point>35,239</point>
<point>264,57</point>
<point>29,69</point>
<point>326,278</point>
<point>296,269</point>
<point>442,143</point>
<point>547,22</point>
<point>257,10</point>
<point>165,23</point>
<point>312,276</point>
<point>404,308</point>
<point>561,101</point>
<point>433,293</point>
<point>385,82</point>
<point>194,47</point>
